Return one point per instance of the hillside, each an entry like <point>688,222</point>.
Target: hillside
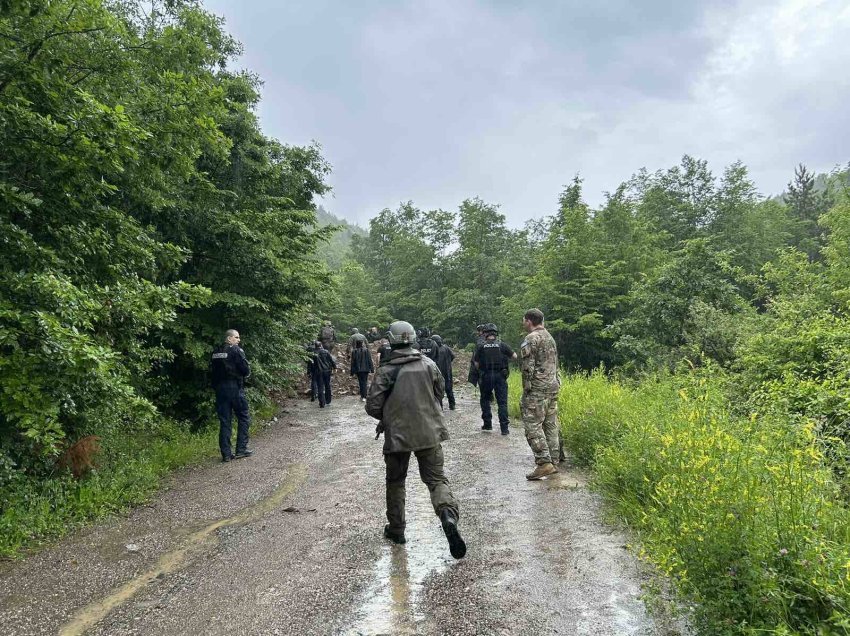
<point>335,251</point>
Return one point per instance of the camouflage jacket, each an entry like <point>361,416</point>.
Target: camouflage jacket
<point>539,362</point>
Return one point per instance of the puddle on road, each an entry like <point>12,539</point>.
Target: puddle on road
<point>392,604</point>
<point>172,561</point>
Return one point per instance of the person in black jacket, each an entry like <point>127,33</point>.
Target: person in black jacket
<point>384,351</point>
<point>325,363</point>
<point>362,366</point>
<point>472,377</point>
<point>229,369</point>
<point>311,370</point>
<point>425,344</point>
<point>445,355</point>
<point>491,358</point>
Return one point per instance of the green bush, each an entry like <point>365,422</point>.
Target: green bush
<point>743,514</point>
<point>36,509</point>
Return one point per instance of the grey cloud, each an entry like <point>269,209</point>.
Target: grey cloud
<point>440,101</point>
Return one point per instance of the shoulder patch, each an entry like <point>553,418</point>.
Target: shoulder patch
<point>219,356</point>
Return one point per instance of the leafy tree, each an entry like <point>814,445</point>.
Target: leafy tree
<point>669,308</point>
<point>143,212</point>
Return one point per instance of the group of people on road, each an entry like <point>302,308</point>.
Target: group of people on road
<point>413,377</point>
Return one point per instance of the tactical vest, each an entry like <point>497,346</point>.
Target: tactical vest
<point>428,348</point>
<point>490,357</point>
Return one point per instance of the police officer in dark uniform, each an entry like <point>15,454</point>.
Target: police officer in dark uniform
<point>445,356</point>
<point>426,345</point>
<point>384,351</point>
<point>472,377</point>
<point>325,364</point>
<point>491,358</point>
<point>229,370</point>
<point>311,370</point>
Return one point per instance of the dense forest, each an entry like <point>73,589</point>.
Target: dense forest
<point>143,211</point>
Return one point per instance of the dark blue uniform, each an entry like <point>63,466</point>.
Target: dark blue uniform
<point>384,353</point>
<point>492,357</point>
<point>311,371</point>
<point>324,364</point>
<point>428,347</point>
<point>229,370</point>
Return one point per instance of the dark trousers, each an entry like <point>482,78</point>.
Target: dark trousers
<point>450,391</point>
<point>430,470</point>
<point>314,386</point>
<point>230,398</point>
<point>323,387</point>
<point>494,382</point>
<point>363,381</point>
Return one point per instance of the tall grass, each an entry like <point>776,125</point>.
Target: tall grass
<point>36,509</point>
<point>743,514</point>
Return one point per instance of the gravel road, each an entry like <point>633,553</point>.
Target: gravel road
<point>289,542</point>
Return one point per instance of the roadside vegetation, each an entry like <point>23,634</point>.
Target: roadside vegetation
<point>702,325</point>
<point>142,212</point>
<point>733,469</point>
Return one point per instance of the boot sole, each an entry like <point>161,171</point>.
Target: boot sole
<point>457,546</point>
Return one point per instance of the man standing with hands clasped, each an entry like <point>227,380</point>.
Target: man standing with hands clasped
<point>540,386</point>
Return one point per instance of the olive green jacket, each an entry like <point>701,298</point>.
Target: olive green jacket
<point>405,396</point>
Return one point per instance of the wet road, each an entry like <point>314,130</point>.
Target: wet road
<point>289,542</point>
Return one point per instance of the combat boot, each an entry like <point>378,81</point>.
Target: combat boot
<point>541,471</point>
<point>457,546</point>
<point>395,537</point>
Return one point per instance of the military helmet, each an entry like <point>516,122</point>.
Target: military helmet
<point>355,330</point>
<point>401,332</point>
<point>437,339</point>
<point>480,327</point>
<point>424,332</point>
<point>491,328</point>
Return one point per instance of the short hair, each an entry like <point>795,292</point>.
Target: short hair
<point>230,332</point>
<point>534,316</point>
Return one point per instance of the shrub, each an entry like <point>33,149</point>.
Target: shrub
<point>742,513</point>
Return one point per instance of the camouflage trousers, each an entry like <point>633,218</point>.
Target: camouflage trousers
<point>540,418</point>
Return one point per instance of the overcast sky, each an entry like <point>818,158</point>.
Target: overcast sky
<point>438,101</point>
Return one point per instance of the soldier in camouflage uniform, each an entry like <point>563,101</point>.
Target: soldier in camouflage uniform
<point>540,385</point>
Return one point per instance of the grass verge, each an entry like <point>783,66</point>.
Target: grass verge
<point>744,515</point>
<point>37,509</point>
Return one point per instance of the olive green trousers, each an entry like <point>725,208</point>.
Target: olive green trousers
<point>430,470</point>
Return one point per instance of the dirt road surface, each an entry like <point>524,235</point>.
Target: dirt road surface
<point>289,542</point>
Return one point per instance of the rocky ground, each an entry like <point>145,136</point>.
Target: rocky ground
<point>289,542</point>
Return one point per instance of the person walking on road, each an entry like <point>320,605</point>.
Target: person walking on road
<point>405,399</point>
<point>356,337</point>
<point>229,368</point>
<point>472,376</point>
<point>540,386</point>
<point>445,355</point>
<point>491,358</point>
<point>426,344</point>
<point>325,364</point>
<point>384,351</point>
<point>362,366</point>
<point>311,370</point>
<point>327,335</point>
